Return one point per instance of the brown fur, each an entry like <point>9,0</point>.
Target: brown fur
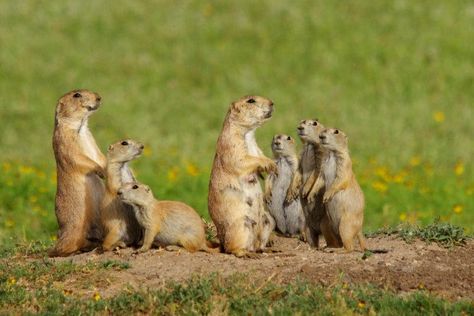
<point>166,222</point>
<point>119,221</point>
<point>235,198</point>
<point>343,197</point>
<point>79,165</point>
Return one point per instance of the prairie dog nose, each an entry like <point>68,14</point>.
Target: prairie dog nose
<point>119,192</point>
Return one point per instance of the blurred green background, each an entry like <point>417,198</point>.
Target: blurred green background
<point>396,76</point>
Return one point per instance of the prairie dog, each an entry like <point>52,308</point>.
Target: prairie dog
<point>289,218</point>
<point>309,167</point>
<point>118,219</point>
<point>165,222</point>
<point>343,197</point>
<point>235,198</point>
<point>80,165</point>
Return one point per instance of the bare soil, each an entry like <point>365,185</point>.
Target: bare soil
<point>448,273</point>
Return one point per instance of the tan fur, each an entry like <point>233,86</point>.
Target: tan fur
<point>118,219</point>
<point>235,198</point>
<point>343,197</point>
<point>310,166</point>
<point>79,165</point>
<point>165,222</point>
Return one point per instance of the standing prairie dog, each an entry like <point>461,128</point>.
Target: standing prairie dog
<point>80,165</point>
<point>118,219</point>
<point>289,218</point>
<point>309,167</point>
<point>235,198</point>
<point>166,222</point>
<point>343,197</point>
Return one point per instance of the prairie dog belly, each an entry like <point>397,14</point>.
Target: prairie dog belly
<point>88,144</point>
<point>250,184</point>
<point>281,183</point>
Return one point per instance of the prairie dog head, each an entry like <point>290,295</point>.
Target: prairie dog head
<point>136,194</point>
<point>250,111</point>
<point>309,131</point>
<point>334,139</point>
<point>283,145</point>
<point>124,150</point>
<point>77,105</point>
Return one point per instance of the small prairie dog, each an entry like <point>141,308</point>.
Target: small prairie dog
<point>118,219</point>
<point>343,197</point>
<point>80,165</point>
<point>235,198</point>
<point>289,218</point>
<point>165,222</point>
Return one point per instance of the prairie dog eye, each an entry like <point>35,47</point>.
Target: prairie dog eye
<point>77,95</point>
<point>315,123</point>
<point>289,138</point>
<point>336,131</point>
<point>251,101</point>
<point>124,143</point>
<point>135,187</point>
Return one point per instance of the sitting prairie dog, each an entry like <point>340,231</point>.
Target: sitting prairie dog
<point>289,217</point>
<point>118,219</point>
<point>165,222</point>
<point>343,197</point>
<point>235,198</point>
<point>80,165</point>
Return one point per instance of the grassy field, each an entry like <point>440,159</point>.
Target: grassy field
<point>396,76</point>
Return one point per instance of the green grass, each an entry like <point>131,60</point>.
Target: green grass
<point>34,288</point>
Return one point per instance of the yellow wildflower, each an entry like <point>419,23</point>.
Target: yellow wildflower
<point>373,161</point>
<point>459,168</point>
<point>11,281</point>
<point>25,170</point>
<point>53,237</point>
<point>415,161</point>
<point>173,174</point>
<point>41,174</point>
<point>9,223</point>
<point>403,216</point>
<point>361,305</point>
<point>383,173</point>
<point>33,199</point>
<point>192,170</point>
<point>147,151</point>
<point>96,296</point>
<point>400,177</point>
<point>439,117</point>
<point>458,208</point>
<point>380,186</point>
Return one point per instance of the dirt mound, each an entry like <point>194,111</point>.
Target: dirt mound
<point>405,267</point>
